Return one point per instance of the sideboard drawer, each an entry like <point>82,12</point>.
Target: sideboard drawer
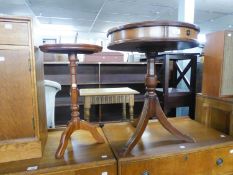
<point>14,33</point>
<point>95,170</point>
<point>202,162</point>
<point>159,153</point>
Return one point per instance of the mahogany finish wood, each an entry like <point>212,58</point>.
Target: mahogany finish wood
<point>154,23</point>
<point>153,36</point>
<point>139,37</point>
<point>75,123</point>
<point>71,48</point>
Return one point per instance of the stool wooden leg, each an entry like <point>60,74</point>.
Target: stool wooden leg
<point>124,108</point>
<point>131,106</point>
<point>87,108</point>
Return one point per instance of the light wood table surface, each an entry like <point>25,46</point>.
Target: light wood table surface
<point>83,156</point>
<point>108,96</point>
<point>160,153</point>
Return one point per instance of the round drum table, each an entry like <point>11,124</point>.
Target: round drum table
<point>151,37</point>
<point>75,123</point>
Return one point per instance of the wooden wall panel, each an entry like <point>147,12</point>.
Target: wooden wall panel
<point>217,70</point>
<point>40,89</point>
<point>213,64</point>
<point>227,69</point>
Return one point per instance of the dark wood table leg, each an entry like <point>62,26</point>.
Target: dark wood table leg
<point>75,123</point>
<point>150,109</point>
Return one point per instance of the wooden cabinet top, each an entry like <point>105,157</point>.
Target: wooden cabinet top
<point>82,153</point>
<point>157,142</point>
<point>222,99</point>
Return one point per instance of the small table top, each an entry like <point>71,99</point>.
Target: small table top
<point>153,36</point>
<point>71,48</point>
<point>107,91</point>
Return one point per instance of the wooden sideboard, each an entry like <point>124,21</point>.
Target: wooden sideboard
<point>160,153</point>
<point>82,157</point>
<point>157,153</point>
<point>215,112</point>
<point>96,75</point>
<point>23,128</point>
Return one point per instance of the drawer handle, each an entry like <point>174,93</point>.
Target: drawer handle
<point>145,173</point>
<point>219,161</point>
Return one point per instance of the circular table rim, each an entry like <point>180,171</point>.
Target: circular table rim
<point>152,24</point>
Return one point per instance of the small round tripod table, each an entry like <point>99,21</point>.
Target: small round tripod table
<point>152,37</point>
<point>75,123</point>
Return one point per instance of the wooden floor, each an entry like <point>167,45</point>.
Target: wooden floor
<point>83,156</point>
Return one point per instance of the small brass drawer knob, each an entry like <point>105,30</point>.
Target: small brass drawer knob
<point>219,161</point>
<point>145,173</point>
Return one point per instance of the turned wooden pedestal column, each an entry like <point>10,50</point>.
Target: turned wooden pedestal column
<point>75,123</point>
<point>151,37</point>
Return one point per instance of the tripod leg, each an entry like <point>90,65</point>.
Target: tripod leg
<point>64,139</point>
<point>167,125</point>
<point>93,130</point>
<point>141,125</point>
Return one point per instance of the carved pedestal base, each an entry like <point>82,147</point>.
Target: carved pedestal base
<point>151,109</point>
<point>75,123</point>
